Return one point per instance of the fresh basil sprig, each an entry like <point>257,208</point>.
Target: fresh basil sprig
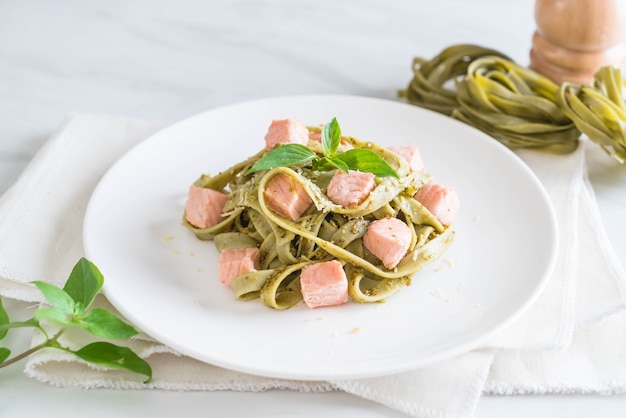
<point>354,159</point>
<point>69,307</point>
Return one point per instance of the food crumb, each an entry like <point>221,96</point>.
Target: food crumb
<point>175,252</point>
<point>437,293</point>
<point>191,254</point>
<point>168,238</point>
<point>320,318</point>
<point>446,264</point>
<point>356,330</point>
<point>198,270</point>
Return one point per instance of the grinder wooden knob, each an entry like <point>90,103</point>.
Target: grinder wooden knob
<point>575,38</point>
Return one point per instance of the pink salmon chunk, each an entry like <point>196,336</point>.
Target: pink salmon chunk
<point>204,206</point>
<point>286,197</point>
<point>324,284</point>
<point>349,190</point>
<point>286,131</point>
<point>388,239</point>
<point>237,261</point>
<point>441,201</point>
<point>315,136</point>
<point>412,156</point>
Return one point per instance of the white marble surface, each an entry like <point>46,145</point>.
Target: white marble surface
<point>167,60</point>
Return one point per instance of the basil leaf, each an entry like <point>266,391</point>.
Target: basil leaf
<point>331,137</point>
<point>4,353</point>
<point>283,156</point>
<point>53,315</point>
<point>328,164</point>
<point>115,357</point>
<point>84,282</point>
<point>57,297</point>
<point>337,163</point>
<point>366,161</point>
<point>321,164</point>
<point>4,320</point>
<point>103,323</point>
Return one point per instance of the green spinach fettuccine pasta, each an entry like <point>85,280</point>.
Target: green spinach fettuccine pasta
<point>430,87</point>
<point>326,231</point>
<point>513,104</point>
<point>518,106</point>
<point>598,110</point>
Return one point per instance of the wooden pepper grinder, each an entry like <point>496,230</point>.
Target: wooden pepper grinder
<point>575,38</point>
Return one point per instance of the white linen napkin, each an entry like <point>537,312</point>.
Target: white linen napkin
<point>49,199</point>
<point>588,280</point>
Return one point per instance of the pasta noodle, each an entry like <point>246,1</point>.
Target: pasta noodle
<point>598,110</point>
<point>326,231</point>
<point>518,106</point>
<point>487,90</point>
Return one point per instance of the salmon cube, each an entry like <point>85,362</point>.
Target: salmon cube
<point>315,136</point>
<point>443,202</point>
<point>286,131</point>
<point>351,189</point>
<point>324,284</point>
<point>388,239</point>
<point>237,261</point>
<point>286,197</point>
<point>204,206</point>
<point>412,156</point>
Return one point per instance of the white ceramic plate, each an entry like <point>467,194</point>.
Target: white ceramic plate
<point>164,280</point>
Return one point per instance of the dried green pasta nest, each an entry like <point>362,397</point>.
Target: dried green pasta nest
<point>518,106</point>
<point>429,87</point>
<point>598,110</point>
<point>513,104</point>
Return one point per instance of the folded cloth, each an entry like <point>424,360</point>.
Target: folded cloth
<point>588,280</point>
<point>594,363</point>
<point>49,199</point>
